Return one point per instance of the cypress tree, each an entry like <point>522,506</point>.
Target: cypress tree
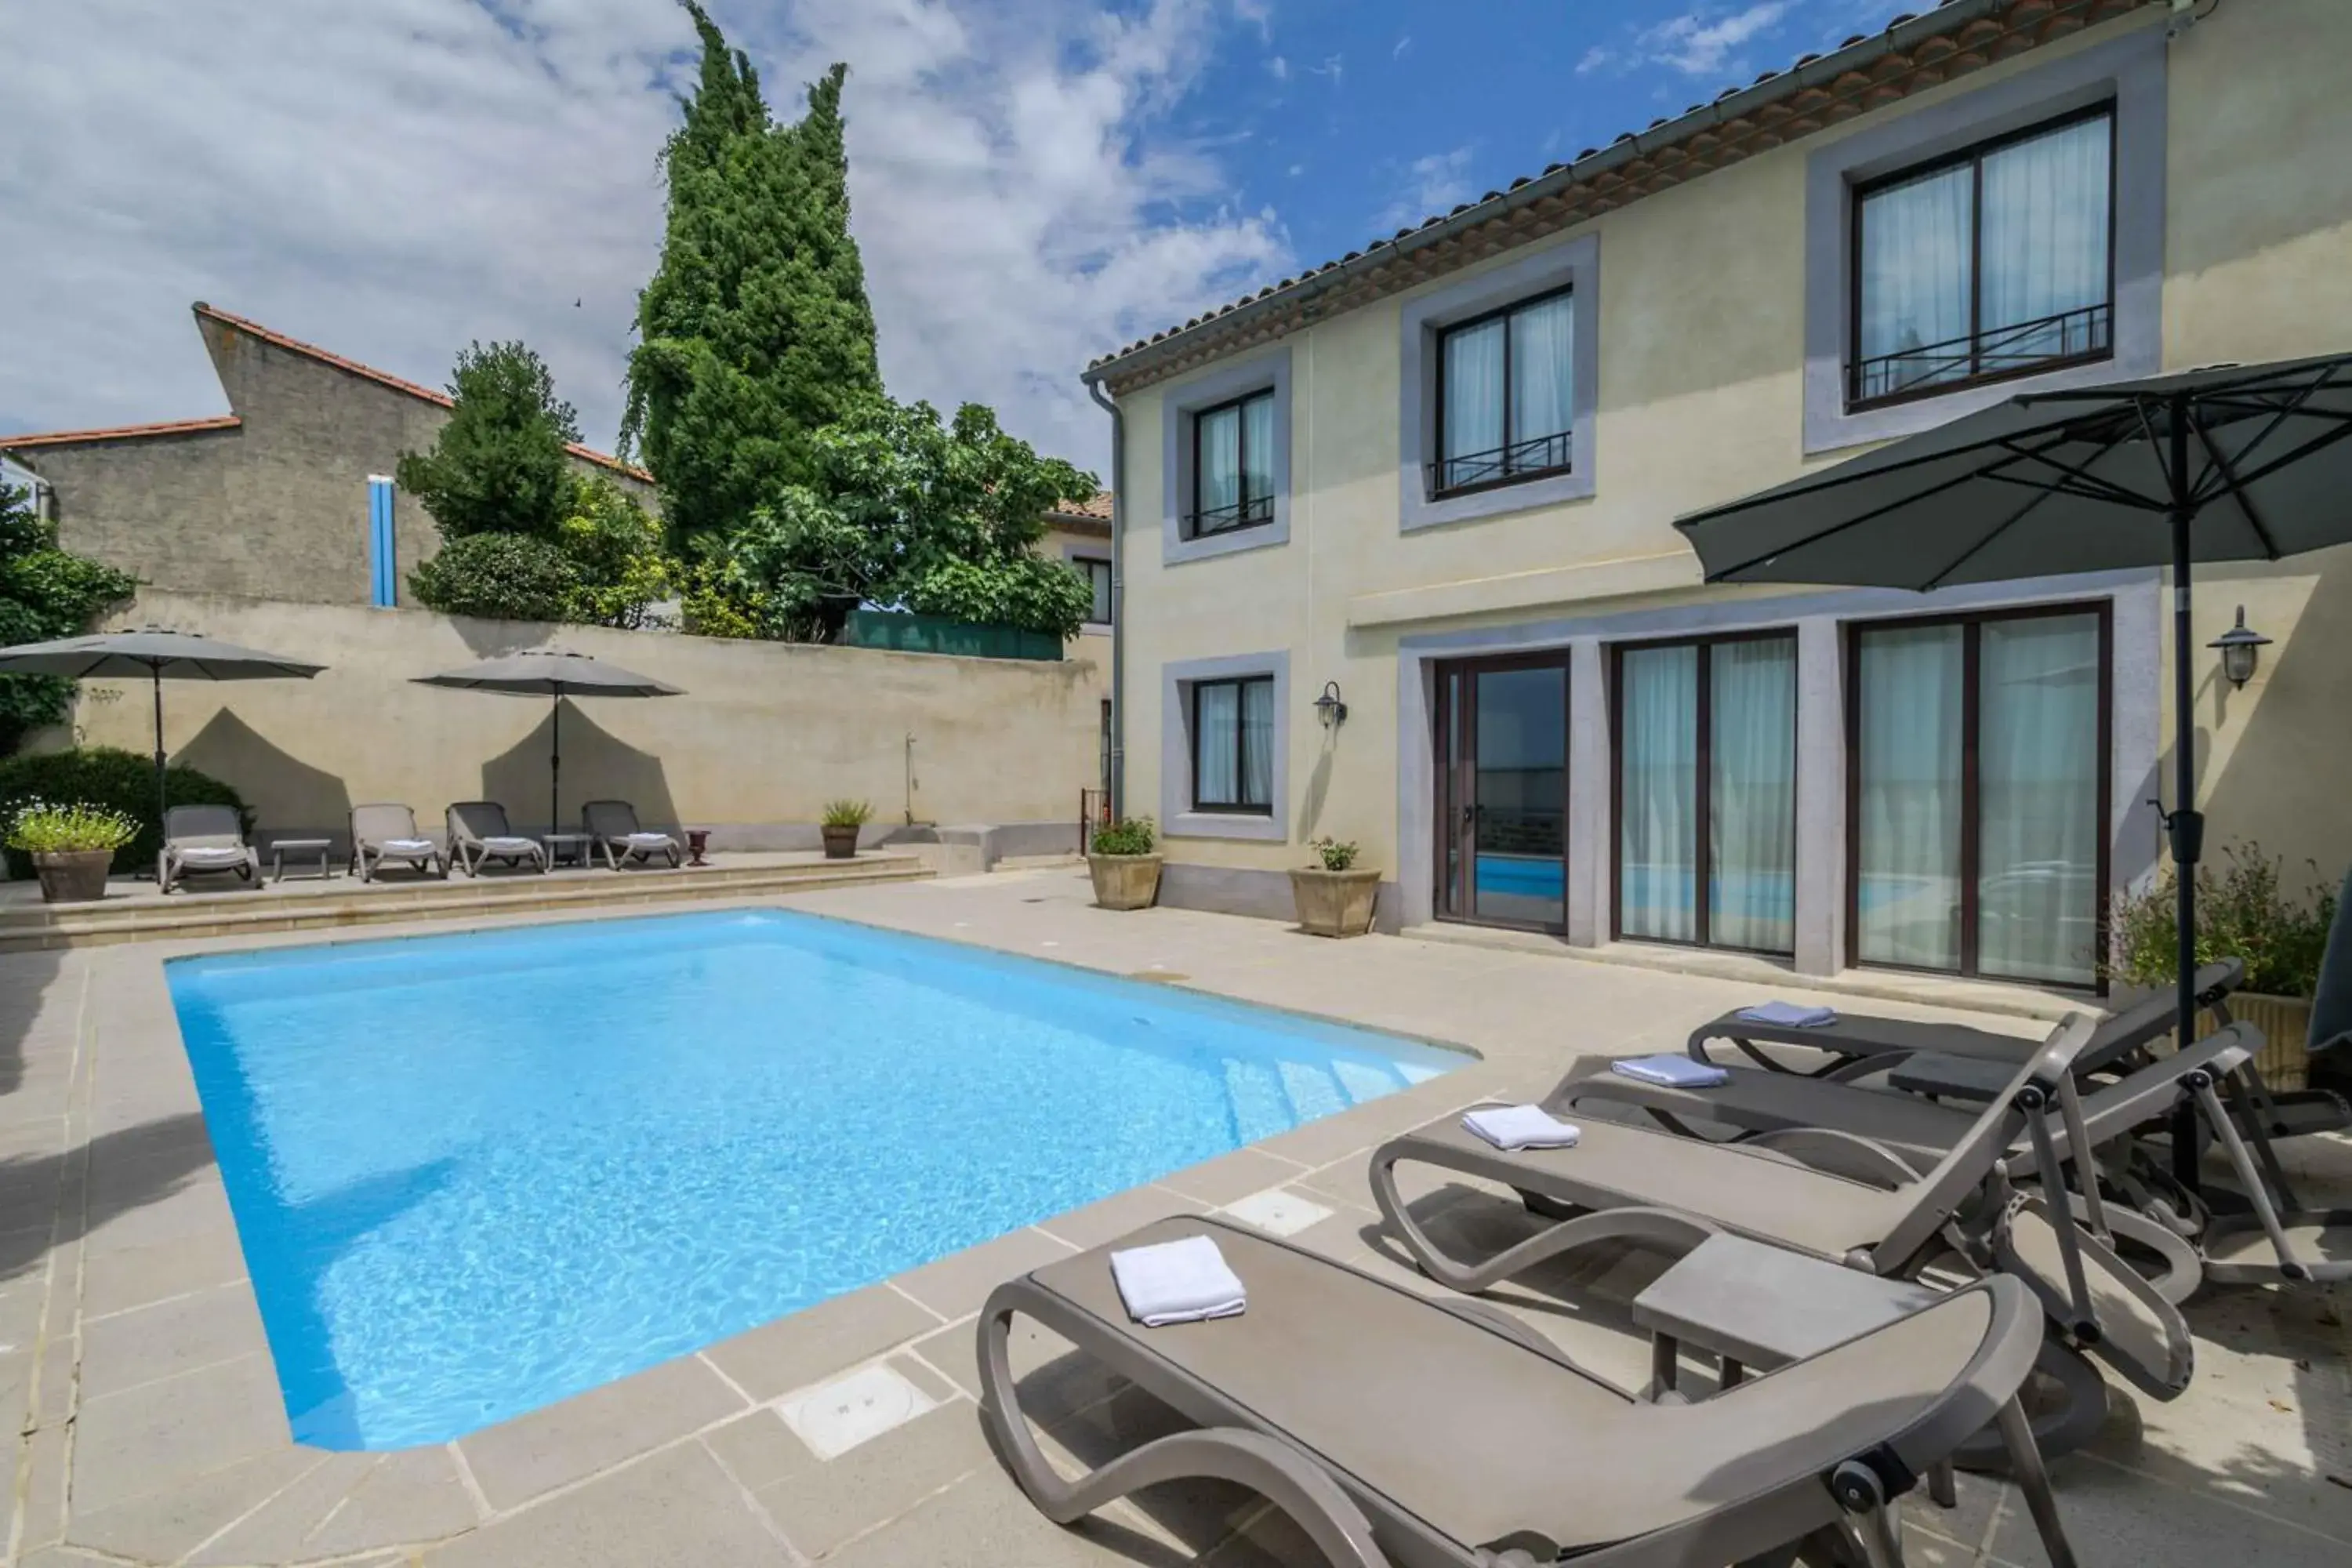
<point>755,332</point>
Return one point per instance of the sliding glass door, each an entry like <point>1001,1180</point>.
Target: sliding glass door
<point>1502,792</point>
<point>1707,791</point>
<point>1978,787</point>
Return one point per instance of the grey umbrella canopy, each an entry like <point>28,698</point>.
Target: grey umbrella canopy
<point>2236,463</point>
<point>156,656</point>
<point>554,673</point>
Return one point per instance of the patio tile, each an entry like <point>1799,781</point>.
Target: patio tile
<point>676,1510</point>
<point>794,1352</point>
<point>983,1522</point>
<point>1053,1379</point>
<point>1233,1175</point>
<point>126,1277</point>
<point>758,1449</point>
<point>178,1207</point>
<point>960,1282</point>
<point>159,1436</point>
<point>2115,1519</point>
<point>169,1338</point>
<point>358,1502</point>
<point>47,1471</point>
<point>166,1524</point>
<point>516,1460</point>
<point>1119,1213</point>
<point>827,1503</point>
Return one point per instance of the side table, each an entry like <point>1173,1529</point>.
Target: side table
<point>1755,1306</point>
<point>566,848</point>
<point>278,849</point>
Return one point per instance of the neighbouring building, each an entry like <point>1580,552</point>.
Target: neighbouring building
<point>1081,536</point>
<point>1436,480</point>
<point>286,496</point>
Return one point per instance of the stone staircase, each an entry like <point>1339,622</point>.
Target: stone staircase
<point>344,903</point>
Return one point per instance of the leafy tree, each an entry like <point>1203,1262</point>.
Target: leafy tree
<point>44,593</point>
<point>615,547</point>
<point>499,465</point>
<point>904,510</point>
<point>754,332</point>
<point>497,577</point>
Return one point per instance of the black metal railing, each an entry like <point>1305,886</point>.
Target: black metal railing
<point>2082,333</point>
<point>1522,460</point>
<point>1246,512</point>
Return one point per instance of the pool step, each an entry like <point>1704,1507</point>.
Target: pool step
<point>295,907</point>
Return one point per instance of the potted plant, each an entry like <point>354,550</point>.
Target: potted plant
<point>840,823</point>
<point>71,846</point>
<point>2244,909</point>
<point>1333,898</point>
<point>1125,869</point>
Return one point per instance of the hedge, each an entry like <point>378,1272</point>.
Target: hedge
<point>108,776</point>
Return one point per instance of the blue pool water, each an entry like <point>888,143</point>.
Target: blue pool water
<point>473,1174</point>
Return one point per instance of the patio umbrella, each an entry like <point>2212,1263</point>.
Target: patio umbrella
<point>157,656</point>
<point>2233,463</point>
<point>557,673</point>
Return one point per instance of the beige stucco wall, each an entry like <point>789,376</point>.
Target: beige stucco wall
<point>1701,400</point>
<point>765,733</point>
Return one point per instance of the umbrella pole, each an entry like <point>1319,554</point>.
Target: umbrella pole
<point>2186,826</point>
<point>555,766</point>
<point>163,805</point>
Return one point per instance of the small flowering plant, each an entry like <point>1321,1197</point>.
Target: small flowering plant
<point>39,828</point>
<point>1337,854</point>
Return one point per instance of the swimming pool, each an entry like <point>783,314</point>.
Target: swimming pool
<point>473,1174</point>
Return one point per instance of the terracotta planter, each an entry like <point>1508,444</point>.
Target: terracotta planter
<point>1335,903</point>
<point>840,842</point>
<point>2285,1024</point>
<point>72,875</point>
<point>1125,881</point>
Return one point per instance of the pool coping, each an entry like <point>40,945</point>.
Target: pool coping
<point>172,1440</point>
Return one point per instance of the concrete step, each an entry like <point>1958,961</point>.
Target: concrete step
<point>250,913</point>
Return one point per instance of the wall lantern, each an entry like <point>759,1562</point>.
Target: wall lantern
<point>2240,649</point>
<point>1329,708</point>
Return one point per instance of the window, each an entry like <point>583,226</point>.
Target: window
<point>1233,745</point>
<point>1997,262</point>
<point>383,560</point>
<point>1707,791</point>
<point>1976,768</point>
<point>1505,395</point>
<point>1096,571</point>
<point>1232,467</point>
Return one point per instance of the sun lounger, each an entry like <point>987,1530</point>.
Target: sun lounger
<point>1633,1183</point>
<point>612,828</point>
<point>386,832</point>
<point>479,833</point>
<point>1395,1429</point>
<point>207,839</point>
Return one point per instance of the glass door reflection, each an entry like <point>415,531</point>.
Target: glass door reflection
<point>1503,767</point>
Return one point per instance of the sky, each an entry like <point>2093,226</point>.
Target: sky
<point>1034,183</point>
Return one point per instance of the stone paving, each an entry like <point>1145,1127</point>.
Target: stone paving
<point>134,1364</point>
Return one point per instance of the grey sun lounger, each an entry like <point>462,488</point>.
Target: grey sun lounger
<point>1396,1429</point>
<point>479,833</point>
<point>612,828</point>
<point>204,840</point>
<point>1654,1187</point>
<point>385,833</point>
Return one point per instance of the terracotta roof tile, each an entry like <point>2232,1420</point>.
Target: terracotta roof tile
<point>122,432</point>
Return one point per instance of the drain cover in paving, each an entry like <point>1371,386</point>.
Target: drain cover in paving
<point>835,1417</point>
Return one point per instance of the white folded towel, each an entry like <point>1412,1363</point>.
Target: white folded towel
<point>1183,1281</point>
<point>1672,1071</point>
<point>509,843</point>
<point>408,846</point>
<point>1789,1015</point>
<point>650,840</point>
<point>211,855</point>
<point>1520,1127</point>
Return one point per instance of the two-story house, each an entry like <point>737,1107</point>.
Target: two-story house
<point>1436,481</point>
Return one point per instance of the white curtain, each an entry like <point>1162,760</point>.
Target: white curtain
<point>1219,480</point>
<point>1752,795</point>
<point>1473,416</point>
<point>1915,277</point>
<point>1257,745</point>
<point>2046,239</point>
<point>1658,794</point>
<point>2037,799</point>
<point>1257,456</point>
<point>1216,719</point>
<point>1907,875</point>
<point>1542,372</point>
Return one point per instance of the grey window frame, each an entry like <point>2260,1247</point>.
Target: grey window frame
<point>1180,817</point>
<point>1087,560</point>
<point>1180,404</point>
<point>1196,731</point>
<point>1504,313</point>
<point>1188,525</point>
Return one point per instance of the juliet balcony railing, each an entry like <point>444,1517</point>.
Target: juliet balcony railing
<point>1247,512</point>
<point>1522,460</point>
<point>2086,332</point>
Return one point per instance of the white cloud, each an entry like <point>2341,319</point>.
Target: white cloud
<point>421,173</point>
<point>1593,59</point>
<point>1333,65</point>
<point>1278,68</point>
<point>1701,43</point>
<point>1259,13</point>
<point>1403,47</point>
<point>1434,184</point>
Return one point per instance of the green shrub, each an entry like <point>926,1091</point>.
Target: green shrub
<point>1336,855</point>
<point>846,814</point>
<point>2241,909</point>
<point>1128,836</point>
<point>499,577</point>
<point>39,828</point>
<point>112,779</point>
